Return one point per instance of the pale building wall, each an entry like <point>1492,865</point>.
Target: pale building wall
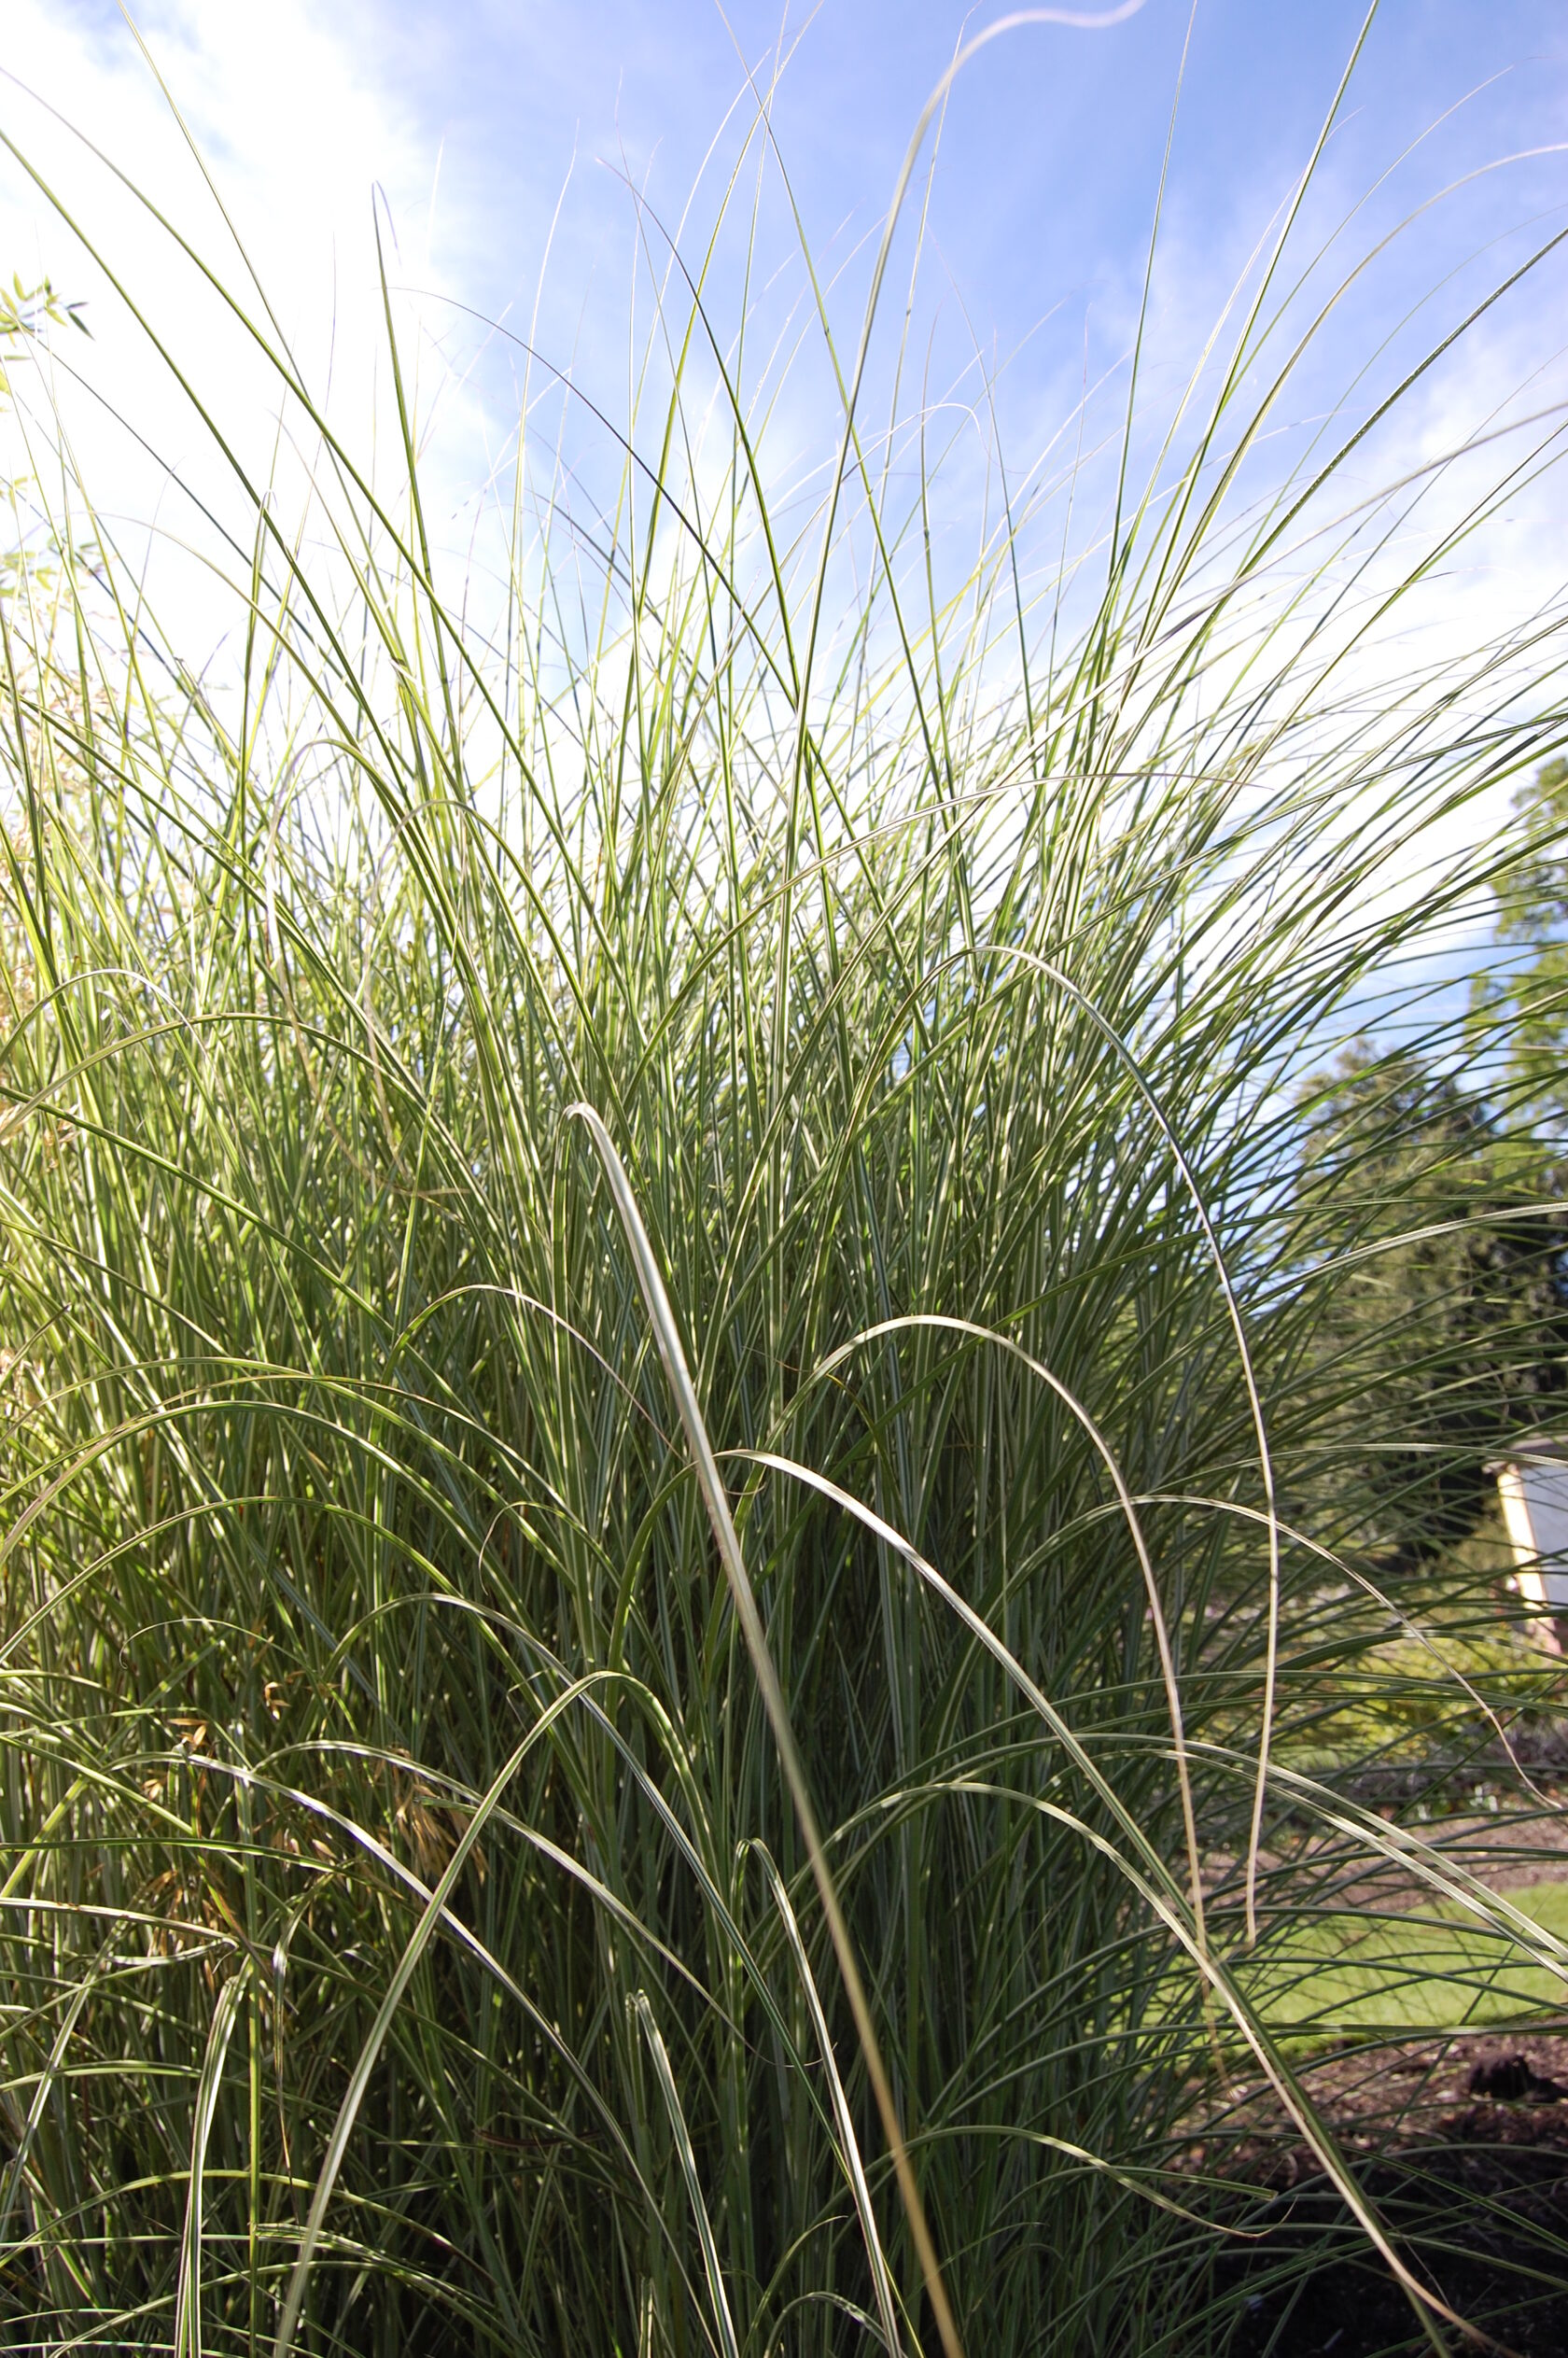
<point>1533,1492</point>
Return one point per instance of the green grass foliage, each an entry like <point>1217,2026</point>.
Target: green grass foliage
<point>606,1723</point>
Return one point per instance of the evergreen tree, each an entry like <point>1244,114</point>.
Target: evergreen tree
<point>1530,993</point>
<point>1447,1331</point>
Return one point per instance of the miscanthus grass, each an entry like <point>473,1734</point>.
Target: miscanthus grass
<point>674,1520</point>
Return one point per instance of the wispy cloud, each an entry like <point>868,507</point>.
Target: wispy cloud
<point>273,149</point>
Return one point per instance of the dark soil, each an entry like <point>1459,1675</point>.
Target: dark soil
<point>1476,2200</point>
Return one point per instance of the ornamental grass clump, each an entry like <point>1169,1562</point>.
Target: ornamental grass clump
<point>669,1498</point>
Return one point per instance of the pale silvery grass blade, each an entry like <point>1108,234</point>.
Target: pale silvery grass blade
<point>716,1501</point>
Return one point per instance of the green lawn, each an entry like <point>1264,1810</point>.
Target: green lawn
<point>1435,1969</point>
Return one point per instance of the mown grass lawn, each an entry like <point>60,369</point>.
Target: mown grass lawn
<point>1432,1969</point>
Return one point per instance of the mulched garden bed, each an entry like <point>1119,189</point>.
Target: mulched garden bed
<point>1462,2146</point>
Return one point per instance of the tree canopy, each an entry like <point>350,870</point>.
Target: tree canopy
<point>1530,989</point>
<point>1444,1243</point>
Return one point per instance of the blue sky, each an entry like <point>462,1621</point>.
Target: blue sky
<point>1052,146</point>
<point>1051,153</point>
<point>1040,203</point>
<point>478,119</point>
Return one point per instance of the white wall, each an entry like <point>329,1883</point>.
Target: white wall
<point>1534,1496</point>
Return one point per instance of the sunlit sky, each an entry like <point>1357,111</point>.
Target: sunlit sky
<point>474,117</point>
<point>498,130</point>
<point>1052,150</point>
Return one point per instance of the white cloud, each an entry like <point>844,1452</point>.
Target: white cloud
<point>298,112</point>
<point>296,129</point>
